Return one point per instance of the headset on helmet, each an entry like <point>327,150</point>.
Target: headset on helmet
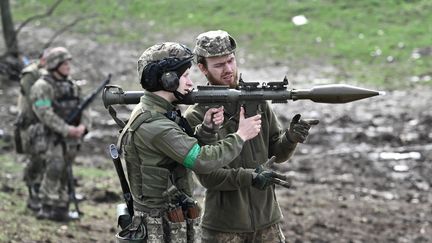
<point>165,72</point>
<point>161,66</point>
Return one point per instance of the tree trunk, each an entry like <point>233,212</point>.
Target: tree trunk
<point>9,32</point>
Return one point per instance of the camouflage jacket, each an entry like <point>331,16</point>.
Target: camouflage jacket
<point>231,203</point>
<point>157,151</point>
<point>29,76</point>
<point>53,100</point>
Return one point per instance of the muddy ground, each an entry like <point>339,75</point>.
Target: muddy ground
<point>362,176</point>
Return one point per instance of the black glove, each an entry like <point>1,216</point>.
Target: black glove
<point>262,178</point>
<point>299,129</point>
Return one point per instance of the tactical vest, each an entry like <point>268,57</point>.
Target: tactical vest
<point>156,180</point>
<point>66,97</point>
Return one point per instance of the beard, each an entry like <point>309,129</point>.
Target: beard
<point>216,81</point>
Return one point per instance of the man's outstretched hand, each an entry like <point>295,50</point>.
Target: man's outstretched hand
<point>299,129</point>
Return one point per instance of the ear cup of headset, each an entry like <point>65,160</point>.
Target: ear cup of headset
<point>170,81</point>
<point>163,74</point>
<point>150,75</point>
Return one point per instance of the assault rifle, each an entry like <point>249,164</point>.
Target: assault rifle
<point>249,94</point>
<point>76,114</point>
<point>73,119</point>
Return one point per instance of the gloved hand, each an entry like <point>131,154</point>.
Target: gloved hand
<point>299,129</point>
<point>262,178</point>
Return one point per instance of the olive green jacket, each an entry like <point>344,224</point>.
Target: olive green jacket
<point>231,203</point>
<point>156,147</point>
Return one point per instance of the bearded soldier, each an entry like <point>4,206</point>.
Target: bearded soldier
<point>240,202</point>
<point>160,151</point>
<point>53,98</point>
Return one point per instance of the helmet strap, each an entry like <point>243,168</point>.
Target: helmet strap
<point>178,95</point>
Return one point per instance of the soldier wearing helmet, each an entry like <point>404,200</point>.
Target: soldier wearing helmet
<point>53,97</point>
<point>34,168</point>
<point>160,150</point>
<point>240,202</point>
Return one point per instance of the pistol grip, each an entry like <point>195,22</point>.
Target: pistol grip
<point>251,109</point>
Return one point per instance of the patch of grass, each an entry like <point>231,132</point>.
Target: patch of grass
<point>92,172</point>
<point>371,41</point>
<point>20,224</point>
<point>9,165</point>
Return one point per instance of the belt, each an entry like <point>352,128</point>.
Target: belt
<point>151,212</point>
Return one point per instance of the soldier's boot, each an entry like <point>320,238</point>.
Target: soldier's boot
<point>33,202</point>
<point>45,212</point>
<point>62,214</point>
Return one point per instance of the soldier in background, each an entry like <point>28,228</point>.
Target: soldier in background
<point>240,202</point>
<point>160,150</point>
<point>53,97</point>
<point>33,171</point>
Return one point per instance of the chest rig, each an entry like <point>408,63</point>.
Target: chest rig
<point>164,179</point>
<point>66,97</point>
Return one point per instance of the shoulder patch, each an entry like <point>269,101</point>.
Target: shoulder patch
<point>43,103</point>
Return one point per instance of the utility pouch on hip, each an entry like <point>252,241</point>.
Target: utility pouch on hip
<point>190,207</point>
<point>135,232</point>
<point>175,214</point>
<point>123,216</point>
<point>193,212</point>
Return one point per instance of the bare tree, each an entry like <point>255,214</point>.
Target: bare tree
<point>9,32</point>
<point>10,63</point>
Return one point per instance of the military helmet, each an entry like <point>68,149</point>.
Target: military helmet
<point>57,56</point>
<point>214,43</point>
<point>161,66</point>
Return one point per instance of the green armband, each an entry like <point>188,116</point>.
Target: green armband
<point>43,103</point>
<point>189,161</point>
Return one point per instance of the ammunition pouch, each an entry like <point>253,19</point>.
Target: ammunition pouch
<point>180,213</point>
<point>181,206</point>
<point>175,214</point>
<point>193,212</point>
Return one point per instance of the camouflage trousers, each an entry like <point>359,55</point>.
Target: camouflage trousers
<point>272,234</point>
<point>53,189</point>
<point>35,163</point>
<point>33,171</point>
<point>160,230</point>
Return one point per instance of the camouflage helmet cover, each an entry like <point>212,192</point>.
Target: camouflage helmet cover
<point>214,43</point>
<point>163,57</point>
<point>56,56</point>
